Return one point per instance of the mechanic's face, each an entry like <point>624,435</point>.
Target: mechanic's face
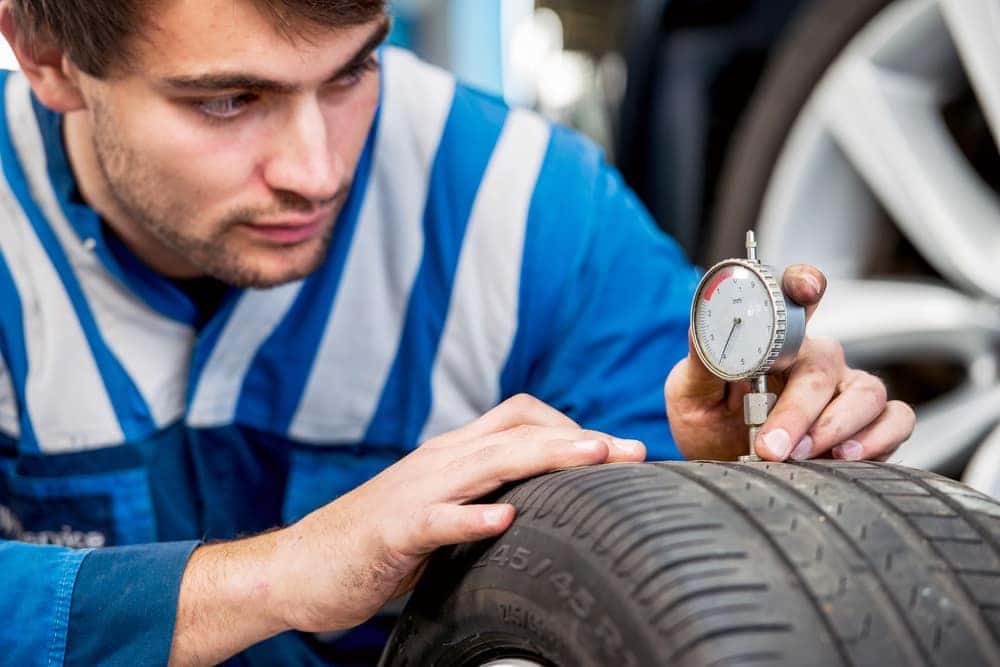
<point>229,149</point>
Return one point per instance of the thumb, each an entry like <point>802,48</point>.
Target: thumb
<point>805,285</point>
<point>691,380</point>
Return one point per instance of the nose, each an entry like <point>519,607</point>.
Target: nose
<point>304,159</point>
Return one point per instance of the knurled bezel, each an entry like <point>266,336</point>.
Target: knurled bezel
<point>778,311</point>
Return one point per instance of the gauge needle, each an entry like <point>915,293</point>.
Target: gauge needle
<point>725,347</point>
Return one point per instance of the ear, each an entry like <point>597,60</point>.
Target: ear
<point>45,65</point>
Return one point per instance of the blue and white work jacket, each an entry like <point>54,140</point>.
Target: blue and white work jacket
<point>482,253</point>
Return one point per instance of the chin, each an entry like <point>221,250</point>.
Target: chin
<point>279,267</point>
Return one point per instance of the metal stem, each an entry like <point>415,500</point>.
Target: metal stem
<point>751,246</point>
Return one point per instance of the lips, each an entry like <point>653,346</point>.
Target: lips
<point>289,231</point>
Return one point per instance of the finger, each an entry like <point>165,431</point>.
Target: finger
<point>805,285</point>
<point>476,474</point>
<point>882,437</point>
<point>620,449</point>
<point>518,410</point>
<point>626,451</point>
<point>861,400</point>
<point>811,384</point>
<point>691,381</point>
<point>442,524</point>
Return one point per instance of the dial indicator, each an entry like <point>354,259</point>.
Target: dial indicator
<point>739,323</point>
<point>742,328</point>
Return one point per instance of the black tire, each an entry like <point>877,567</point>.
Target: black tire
<point>819,563</point>
<point>811,46</point>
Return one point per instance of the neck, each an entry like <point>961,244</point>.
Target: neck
<point>78,136</point>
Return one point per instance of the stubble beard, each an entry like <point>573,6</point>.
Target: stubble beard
<point>137,192</point>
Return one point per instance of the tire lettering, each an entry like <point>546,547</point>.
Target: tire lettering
<point>609,636</point>
<point>519,561</point>
<point>577,598</point>
<point>540,568</point>
<point>582,602</point>
<point>563,582</point>
<point>500,555</point>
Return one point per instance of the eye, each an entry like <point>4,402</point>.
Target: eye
<point>224,108</point>
<point>358,72</point>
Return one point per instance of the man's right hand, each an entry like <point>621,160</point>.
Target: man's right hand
<point>338,566</point>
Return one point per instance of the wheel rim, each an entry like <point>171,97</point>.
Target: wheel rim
<point>872,137</point>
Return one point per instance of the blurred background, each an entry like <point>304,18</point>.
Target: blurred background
<point>857,136</point>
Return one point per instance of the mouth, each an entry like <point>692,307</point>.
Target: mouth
<point>290,230</point>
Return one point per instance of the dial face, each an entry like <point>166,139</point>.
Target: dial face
<point>734,320</point>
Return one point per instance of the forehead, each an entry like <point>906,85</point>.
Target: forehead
<point>190,36</point>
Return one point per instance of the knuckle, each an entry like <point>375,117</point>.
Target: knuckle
<point>456,468</point>
<point>904,410</point>
<point>877,393</point>
<point>586,434</point>
<point>830,350</point>
<point>431,521</point>
<point>522,403</point>
<point>819,377</point>
<point>824,431</point>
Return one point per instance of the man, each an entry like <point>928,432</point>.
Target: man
<point>248,263</point>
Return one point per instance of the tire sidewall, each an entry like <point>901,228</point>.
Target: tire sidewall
<point>528,591</point>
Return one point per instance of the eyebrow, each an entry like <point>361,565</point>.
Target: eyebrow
<point>256,84</point>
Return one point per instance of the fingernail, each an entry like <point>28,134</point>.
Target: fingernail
<point>803,449</point>
<point>778,442</point>
<point>588,445</point>
<point>849,451</point>
<point>811,280</point>
<point>495,516</point>
<point>628,446</point>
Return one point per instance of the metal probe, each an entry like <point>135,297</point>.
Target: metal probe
<point>758,403</point>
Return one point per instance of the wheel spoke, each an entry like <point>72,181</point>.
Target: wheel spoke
<point>887,121</point>
<point>896,320</point>
<point>879,321</point>
<point>983,471</point>
<point>949,429</point>
<point>975,29</point>
<point>873,131</point>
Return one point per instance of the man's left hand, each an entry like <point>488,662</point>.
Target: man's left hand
<point>824,407</point>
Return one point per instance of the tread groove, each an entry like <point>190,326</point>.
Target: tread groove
<point>702,592</point>
<point>731,630</point>
<point>904,517</point>
<point>892,602</point>
<point>606,502</point>
<point>599,546</point>
<point>680,562</point>
<point>649,537</point>
<point>780,553</point>
<point>956,507</point>
<point>581,497</point>
<point>712,611</point>
<point>743,658</point>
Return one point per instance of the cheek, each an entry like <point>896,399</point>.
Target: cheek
<point>199,168</point>
<point>350,123</point>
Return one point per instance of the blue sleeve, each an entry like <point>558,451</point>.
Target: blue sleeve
<point>37,595</point>
<point>605,300</point>
<point>109,606</point>
<point>125,603</point>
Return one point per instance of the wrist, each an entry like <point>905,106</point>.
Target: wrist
<point>228,600</point>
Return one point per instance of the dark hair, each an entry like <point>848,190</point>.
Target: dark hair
<point>97,34</point>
